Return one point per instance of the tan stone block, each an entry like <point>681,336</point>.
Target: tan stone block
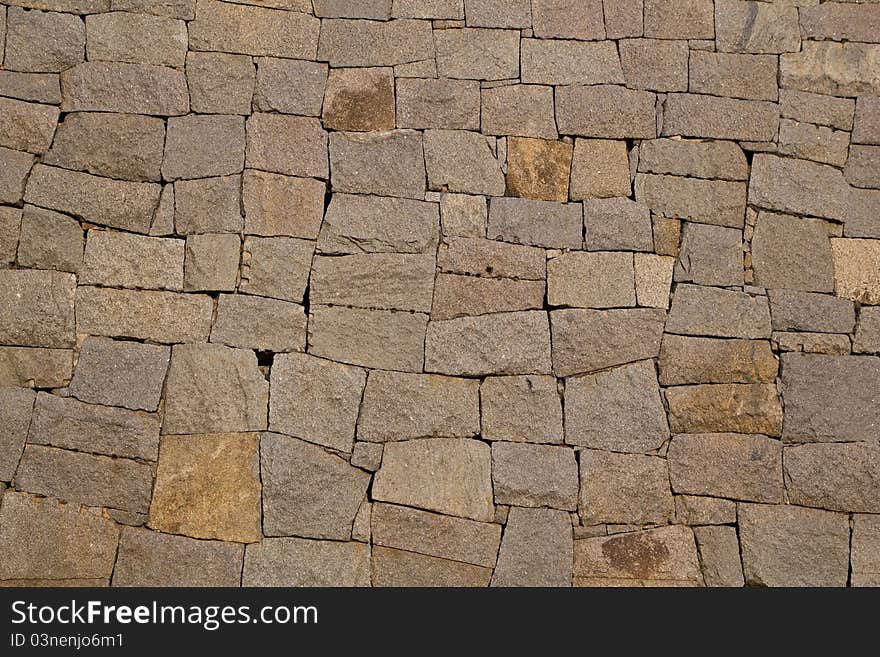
<point>538,168</point>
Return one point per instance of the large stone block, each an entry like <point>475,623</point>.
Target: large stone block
<point>16,407</point>
<point>836,69</point>
<point>521,409</point>
<point>605,111</point>
<point>478,54</point>
<point>137,38</point>
<point>123,87</point>
<point>38,308</point>
<point>462,161</point>
<point>698,115</point>
<point>841,477</point>
<point>536,549</point>
<point>711,360</point>
<point>38,41</point>
<point>386,163</point>
<point>536,223</point>
<point>534,475</point>
<point>708,311</point>
<point>292,145</point>
<point>624,489</point>
<point>252,322</point>
<point>117,259</point>
<point>369,43</point>
<point>723,407</point>
<point>792,253</point>
<point>303,562</point>
<point>562,62</point>
<point>718,202</point>
<point>594,279</point>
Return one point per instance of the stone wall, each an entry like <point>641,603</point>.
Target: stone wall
<point>440,292</point>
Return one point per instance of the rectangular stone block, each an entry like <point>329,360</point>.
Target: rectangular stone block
<point>250,322</point>
<point>624,489</point>
<point>468,345</point>
<point>234,28</point>
<point>116,259</point>
<point>807,107</point>
<point>725,407</point>
<point>276,267</point>
<point>840,21</point>
<point>295,146</point>
<point>14,169</point>
<point>708,360</point>
<point>521,409</point>
<point>367,43</point>
<point>27,367</point>
<point>534,475</point>
<point>518,109</point>
<point>137,38</point>
<point>812,142</point>
<point>751,77</point>
<point>442,103</point>
<point>304,562</point>
<point>16,407</point>
<point>49,240</point>
<point>289,86</point>
<point>560,62</point>
<point>385,163</point>
<point>679,19</point>
<point>123,87</point>
<point>864,550</point>
<point>617,224</point>
<point>536,549</point>
<point>839,476</point>
<point>401,568</point>
<point>34,87</point>
<point>698,510</point>
<point>798,187</point>
<point>203,146</point>
<point>489,258</point>
<point>836,69</point>
<point>614,112</point>
<point>596,279</point>
<point>478,54</point>
<point>756,27</point>
<point>208,205</point>
<point>654,64</point>
<point>696,115</point>
<point>459,296</point>
<point>537,223</point>
<point>707,311</point>
<point>569,20</point>
<point>38,308</point>
<point>462,162</point>
<point>27,126</point>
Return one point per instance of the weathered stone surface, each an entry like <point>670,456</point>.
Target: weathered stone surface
<point>203,146</point>
<point>16,406</point>
<point>148,558</point>
<point>367,456</point>
<point>623,18</point>
<point>805,311</point>
<point>478,54</point>
<point>751,77</point>
<point>250,322</point>
<point>481,257</point>
<point>600,169</point>
<point>184,9</point>
<point>561,62</point>
<point>653,278</point>
<point>120,373</point>
<point>791,546</point>
<point>10,230</point>
<point>289,86</point>
<point>717,202</point>
<point>863,166</point>
<point>679,19</point>
<point>799,187</point>
<point>137,38</point>
<point>538,169</point>
<point>814,343</point>
<point>605,111</point>
<point>203,397</point>
<point>865,546</point>
<point>35,367</point>
<point>498,13</point>
<point>719,556</point>
<point>806,107</point>
<point>441,103</point>
<point>448,475</point>
<point>211,262</point>
<point>830,398</point>
<point>536,549</point>
<point>697,115</point>
<point>740,467</point>
<point>624,489</point>
<point>534,475</point>
<point>292,145</point>
<point>296,477</point>
<point>521,409</point>
<point>401,406</point>
<point>857,269</point>
<point>654,64</point>
<point>387,163</point>
<point>792,252</point>
<point>276,267</point>
<point>374,280</point>
<point>841,477</point>
<point>667,235</point>
<point>568,20</point>
<point>617,224</point>
<point>303,562</point>
<point>393,567</point>
<point>374,9</point>
<point>694,158</point>
<point>705,311</point>
<point>618,410</point>
<point>38,308</point>
<point>462,161</point>
<point>34,87</point>
<point>208,486</point>
<point>143,314</point>
<point>657,557</point>
<point>14,169</point>
<point>458,296</point>
<point>597,279</point>
<point>375,224</point>
<point>524,110</point>
<point>436,535</point>
<point>867,337</point>
<point>472,346</point>
<point>359,99</point>
<point>27,126</point>
<point>694,510</point>
<point>208,205</point>
<point>708,360</point>
<point>38,41</point>
<point>85,478</point>
<point>837,69</point>
<point>50,240</point>
<point>115,203</point>
<point>812,142</point>
<point>220,83</point>
<point>122,146</point>
<point>67,423</point>
<point>46,539</point>
<point>867,121</point>
<point>718,408</point>
<point>744,26</point>
<point>366,43</point>
<point>537,223</point>
<point>315,399</point>
<point>247,30</point>
<point>117,259</point>
<point>381,339</point>
<point>434,9</point>
<point>123,87</point>
<point>710,255</point>
<point>590,340</point>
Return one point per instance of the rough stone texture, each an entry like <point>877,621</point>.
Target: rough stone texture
<point>837,69</point>
<point>536,223</point>
<point>447,475</point>
<point>719,556</point>
<point>521,409</point>
<point>697,115</point>
<point>27,126</point>
<point>275,267</point>
<point>654,64</point>
<point>292,145</point>
<point>208,486</point>
<point>524,110</point>
<point>461,161</point>
<point>792,252</point>
<point>45,539</point>
<point>366,43</point>
<point>558,62</point>
<point>857,269</point>
<point>618,410</point>
<point>442,103</point>
<point>211,262</point>
<point>653,274</point>
<point>123,87</point>
<point>212,388</point>
<point>480,257</point>
<point>867,337</point>
<point>457,296</point>
<point>116,259</point>
<point>203,146</point>
<point>16,406</point>
<point>250,322</point>
<point>220,83</point>
<point>793,546</point>
<point>600,169</point>
<point>400,406</point>
<point>282,205</point>
<point>303,562</point>
<point>745,26</point>
<point>867,121</point>
<point>536,549</point>
<point>469,346</point>
<point>14,169</point>
<point>589,340</point>
<point>705,311</point>
<point>694,158</point>
<point>865,543</point>
<point>477,54</point>
<point>208,205</point>
<point>751,77</point>
<point>38,308</point>
<point>359,99</point>
<point>710,255</point>
<point>805,311</point>
<point>617,224</point>
<point>656,557</point>
<point>386,164</point>
<point>717,202</point>
<point>117,373</point>
<point>605,111</point>
<point>400,568</point>
<point>730,465</point>
<point>591,280</point>
<point>534,475</point>
<point>296,477</point>
<point>841,477</point>
<point>738,407</point>
<point>148,558</point>
<point>694,510</point>
<point>624,489</point>
<point>709,360</point>
<point>136,38</point>
<point>38,41</point>
<point>278,78</point>
<point>538,169</point>
<point>49,240</point>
